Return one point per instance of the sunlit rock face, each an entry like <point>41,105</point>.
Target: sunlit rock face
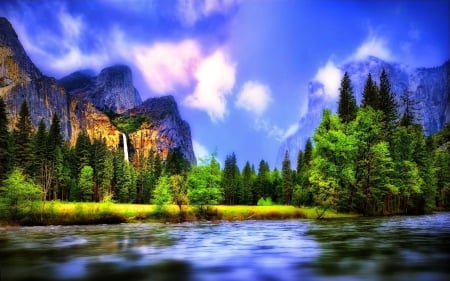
<point>21,80</point>
<point>429,88</point>
<point>164,131</point>
<point>83,101</point>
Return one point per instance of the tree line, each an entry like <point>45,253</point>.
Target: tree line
<point>368,159</point>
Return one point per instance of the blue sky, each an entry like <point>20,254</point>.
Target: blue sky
<point>239,69</point>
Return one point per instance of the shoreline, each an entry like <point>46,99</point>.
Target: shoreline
<point>90,213</point>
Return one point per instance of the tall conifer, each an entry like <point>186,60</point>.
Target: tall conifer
<point>347,104</point>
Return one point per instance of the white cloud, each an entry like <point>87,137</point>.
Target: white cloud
<point>330,77</point>
<point>254,97</point>
<point>274,131</point>
<point>215,79</point>
<point>191,11</point>
<point>292,129</point>
<point>373,46</point>
<point>199,150</point>
<point>166,66</point>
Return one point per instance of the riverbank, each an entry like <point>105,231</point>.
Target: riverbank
<point>81,213</point>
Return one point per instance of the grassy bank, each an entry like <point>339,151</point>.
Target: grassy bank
<point>71,213</point>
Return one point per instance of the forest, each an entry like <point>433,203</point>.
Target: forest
<point>371,159</point>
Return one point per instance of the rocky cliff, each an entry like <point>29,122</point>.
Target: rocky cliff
<point>164,130</point>
<point>112,90</point>
<point>21,80</point>
<point>85,102</point>
<point>428,87</point>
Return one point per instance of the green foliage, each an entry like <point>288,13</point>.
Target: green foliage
<point>230,180</point>
<point>176,163</point>
<point>370,96</point>
<point>4,143</point>
<point>127,123</point>
<point>246,185</point>
<point>162,194</point>
<point>23,140</point>
<point>287,183</point>
<point>17,194</point>
<point>262,182</point>
<point>387,102</point>
<point>332,170</point>
<point>203,184</point>
<point>265,202</point>
<point>179,191</point>
<point>347,107</point>
<point>86,183</point>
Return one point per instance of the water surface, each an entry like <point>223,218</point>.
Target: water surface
<point>394,248</point>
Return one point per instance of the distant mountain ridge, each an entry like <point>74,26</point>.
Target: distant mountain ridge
<point>81,101</point>
<point>429,87</point>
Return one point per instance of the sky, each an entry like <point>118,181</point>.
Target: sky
<point>238,69</point>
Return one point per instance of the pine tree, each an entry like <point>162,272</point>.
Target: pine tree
<point>387,102</point>
<point>308,152</point>
<point>23,140</point>
<point>262,182</point>
<point>4,143</point>
<point>410,110</point>
<point>246,185</point>
<point>55,138</point>
<point>230,180</point>
<point>287,179</point>
<point>370,94</point>
<point>86,183</point>
<point>347,103</point>
<point>82,150</point>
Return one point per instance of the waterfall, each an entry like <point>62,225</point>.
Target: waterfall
<point>125,147</point>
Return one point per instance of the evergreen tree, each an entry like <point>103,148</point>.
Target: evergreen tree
<point>55,138</point>
<point>410,108</point>
<point>262,182</point>
<point>98,154</point>
<point>347,107</point>
<point>4,143</point>
<point>287,179</point>
<point>332,166</point>
<point>370,96</point>
<point>246,185</point>
<point>302,191</point>
<point>374,165</point>
<point>82,151</point>
<point>276,181</point>
<point>86,183</point>
<point>23,140</point>
<point>387,102</point>
<point>230,180</point>
<point>176,163</point>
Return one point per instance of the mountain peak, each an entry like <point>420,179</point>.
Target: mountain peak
<point>112,89</point>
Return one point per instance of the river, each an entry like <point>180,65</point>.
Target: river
<point>388,248</point>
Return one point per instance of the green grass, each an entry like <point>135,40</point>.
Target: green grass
<point>72,213</point>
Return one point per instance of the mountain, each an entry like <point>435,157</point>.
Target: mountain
<point>429,88</point>
<point>86,102</point>
<point>111,90</point>
<point>21,80</point>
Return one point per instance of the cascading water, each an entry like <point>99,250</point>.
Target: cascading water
<point>125,147</point>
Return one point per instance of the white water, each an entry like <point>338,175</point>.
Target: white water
<point>125,147</point>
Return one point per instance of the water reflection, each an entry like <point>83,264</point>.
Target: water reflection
<point>398,248</point>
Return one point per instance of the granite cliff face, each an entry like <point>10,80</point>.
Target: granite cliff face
<point>21,80</point>
<point>164,131</point>
<point>85,102</point>
<point>429,87</point>
<point>112,90</point>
